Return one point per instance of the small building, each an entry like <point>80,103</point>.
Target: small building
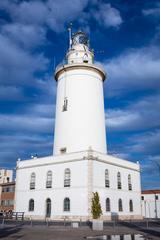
<point>7,193</point>
<point>151,203</point>
<point>6,175</point>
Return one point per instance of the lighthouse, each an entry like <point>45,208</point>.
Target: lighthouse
<point>61,186</point>
<point>80,118</point>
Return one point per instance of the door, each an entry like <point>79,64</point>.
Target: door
<point>48,207</point>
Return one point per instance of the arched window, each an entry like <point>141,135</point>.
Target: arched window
<point>49,179</point>
<point>120,207</point>
<point>129,182</point>
<point>33,181</point>
<point>119,185</point>
<point>31,205</point>
<point>108,208</point>
<point>67,177</point>
<point>48,207</point>
<point>66,205</point>
<point>106,178</point>
<point>130,205</point>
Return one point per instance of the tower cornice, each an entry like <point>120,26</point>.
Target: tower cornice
<point>64,68</point>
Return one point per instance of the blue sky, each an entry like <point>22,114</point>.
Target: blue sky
<point>125,36</point>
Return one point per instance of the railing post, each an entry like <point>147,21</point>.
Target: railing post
<point>147,223</point>
<point>31,222</point>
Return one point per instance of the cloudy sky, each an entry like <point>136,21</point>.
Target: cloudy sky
<point>125,36</point>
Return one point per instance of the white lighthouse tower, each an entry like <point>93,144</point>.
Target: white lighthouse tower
<point>80,119</point>
<point>62,185</point>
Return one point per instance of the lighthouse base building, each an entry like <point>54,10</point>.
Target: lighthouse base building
<point>62,185</point>
<point>74,178</point>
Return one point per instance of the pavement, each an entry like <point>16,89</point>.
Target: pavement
<point>22,231</point>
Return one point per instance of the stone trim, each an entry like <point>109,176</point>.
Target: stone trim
<point>76,160</point>
<point>68,67</point>
<point>81,218</point>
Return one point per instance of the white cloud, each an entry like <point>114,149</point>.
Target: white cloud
<point>155,12</point>
<point>27,36</point>
<point>53,14</point>
<point>147,143</point>
<point>18,65</point>
<point>141,115</point>
<point>137,69</point>
<point>26,123</point>
<point>108,15</point>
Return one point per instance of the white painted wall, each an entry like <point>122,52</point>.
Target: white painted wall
<point>77,192</point>
<point>150,205</point>
<point>83,124</point>
<point>79,54</point>
<point>112,192</point>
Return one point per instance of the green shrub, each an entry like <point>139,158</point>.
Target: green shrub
<point>96,206</point>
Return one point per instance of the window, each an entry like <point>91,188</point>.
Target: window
<point>66,206</point>
<point>130,205</point>
<point>108,205</point>
<point>8,189</point>
<point>142,198</point>
<point>67,177</point>
<point>48,207</point>
<point>65,105</point>
<point>85,58</point>
<point>31,205</point>
<point>120,207</point>
<point>7,203</point>
<point>49,179</point>
<point>63,150</point>
<point>106,178</point>
<point>32,181</point>
<point>129,182</point>
<point>119,185</point>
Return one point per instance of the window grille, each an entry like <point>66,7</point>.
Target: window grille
<point>66,206</point>
<point>106,178</point>
<point>31,205</point>
<point>129,183</point>
<point>67,177</point>
<point>32,181</point>
<point>49,179</point>
<point>119,185</point>
<point>130,205</point>
<point>120,207</point>
<point>108,205</point>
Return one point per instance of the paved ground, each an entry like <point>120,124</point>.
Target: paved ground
<point>43,232</point>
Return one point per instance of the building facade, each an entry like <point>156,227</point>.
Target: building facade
<point>61,185</point>
<point>7,196</point>
<point>6,175</point>
<point>151,203</point>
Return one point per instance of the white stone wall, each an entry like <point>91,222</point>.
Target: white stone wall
<point>85,178</point>
<point>83,124</point>
<point>77,192</point>
<point>150,205</point>
<point>115,194</point>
